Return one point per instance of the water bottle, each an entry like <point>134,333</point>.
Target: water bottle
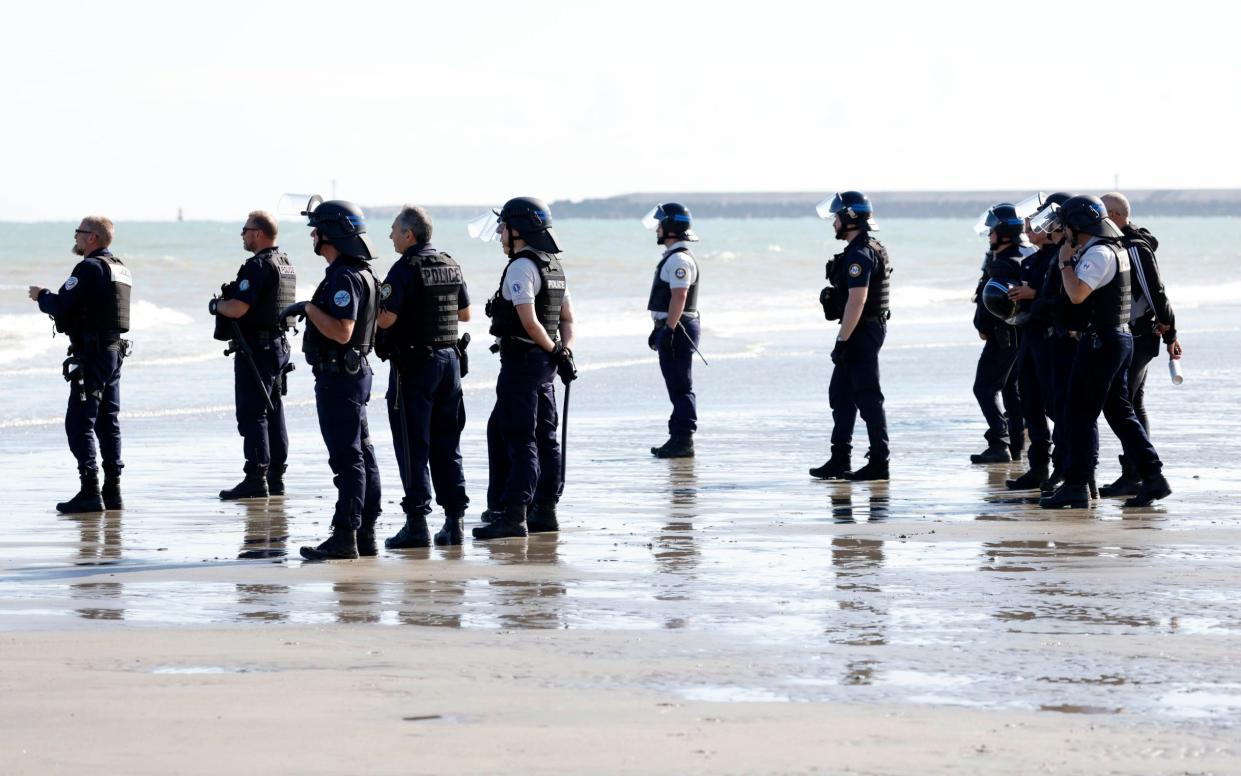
<point>1174,369</point>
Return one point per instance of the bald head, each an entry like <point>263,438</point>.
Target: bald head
<point>1117,205</point>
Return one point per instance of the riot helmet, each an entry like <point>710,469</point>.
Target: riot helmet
<point>675,220</point>
<point>1003,221</point>
<point>342,224</point>
<point>531,219</point>
<point>1047,219</point>
<point>995,299</point>
<point>1087,214</point>
<point>854,210</point>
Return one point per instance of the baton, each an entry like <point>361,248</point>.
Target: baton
<point>564,433</point>
<point>681,328</point>
<point>244,349</point>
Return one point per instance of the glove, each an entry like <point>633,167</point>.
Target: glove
<point>213,306</point>
<point>840,352</point>
<point>825,300</point>
<point>562,357</point>
<point>295,310</point>
<point>659,336</point>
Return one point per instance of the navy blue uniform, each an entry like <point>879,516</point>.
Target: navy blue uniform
<point>995,376</point>
<point>265,435</point>
<point>854,388</point>
<point>424,384</point>
<point>678,269</point>
<point>343,388</point>
<point>95,341</point>
<point>1034,359</point>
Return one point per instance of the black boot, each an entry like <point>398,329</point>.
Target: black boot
<point>413,534</point>
<point>835,468</point>
<point>873,470</point>
<point>87,499</point>
<point>1015,451</point>
<point>993,454</point>
<point>453,531</point>
<point>367,548</point>
<point>511,522</point>
<point>1053,481</point>
<point>1067,495</point>
<point>1093,488</point>
<point>677,446</point>
<point>253,486</point>
<point>111,490</point>
<point>491,514</point>
<point>542,518</point>
<point>1030,480</point>
<point>341,545</point>
<point>275,479</point>
<point>1153,488</point>
<point>1127,484</point>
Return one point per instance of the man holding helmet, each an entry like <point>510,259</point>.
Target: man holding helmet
<point>532,319</point>
<point>1098,380</point>
<point>342,317</point>
<point>858,297</point>
<point>1001,271</point>
<point>673,305</point>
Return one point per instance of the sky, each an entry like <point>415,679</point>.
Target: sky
<point>137,109</point>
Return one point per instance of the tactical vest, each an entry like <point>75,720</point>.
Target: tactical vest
<point>107,312</point>
<point>879,296</point>
<point>1109,304</point>
<point>547,302</point>
<point>661,290</point>
<point>264,314</point>
<point>321,350</point>
<point>428,315</point>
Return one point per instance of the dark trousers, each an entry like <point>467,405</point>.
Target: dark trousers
<point>1034,385</point>
<point>427,411</point>
<point>341,401</point>
<point>264,433</point>
<point>994,378</point>
<point>676,361</point>
<point>94,411</point>
<point>854,390</point>
<point>523,453</point>
<point>1061,350</point>
<point>1099,382</point>
<point>1145,348</point>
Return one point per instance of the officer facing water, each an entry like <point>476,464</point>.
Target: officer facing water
<point>532,319</point>
<point>92,307</point>
<point>422,299</point>
<point>673,305</point>
<point>248,317</point>
<point>995,377</point>
<point>858,297</point>
<point>1150,318</point>
<point>340,334</point>
<point>1099,283</point>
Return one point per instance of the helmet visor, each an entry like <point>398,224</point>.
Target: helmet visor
<point>651,220</point>
<point>1046,220</point>
<point>1030,205</point>
<point>485,227</point>
<point>291,204</point>
<point>828,208</point>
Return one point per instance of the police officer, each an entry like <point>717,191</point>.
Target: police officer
<point>92,307</point>
<point>1035,364</point>
<point>342,318</point>
<point>265,285</point>
<point>673,305</point>
<point>1150,318</point>
<point>532,318</point>
<point>858,297</point>
<point>994,375</point>
<point>422,299</point>
<point>1098,380</point>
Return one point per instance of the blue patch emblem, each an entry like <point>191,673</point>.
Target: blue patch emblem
<point>342,298</point>
<point>70,283</point>
<point>244,285</point>
<point>385,291</point>
<point>855,270</point>
<point>516,287</point>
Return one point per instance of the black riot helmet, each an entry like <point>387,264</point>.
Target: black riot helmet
<point>854,210</point>
<point>675,220</point>
<point>1003,221</point>
<point>342,224</point>
<point>1089,215</point>
<point>995,299</point>
<point>531,219</point>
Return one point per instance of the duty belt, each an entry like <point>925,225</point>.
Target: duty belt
<point>351,363</point>
<point>101,343</point>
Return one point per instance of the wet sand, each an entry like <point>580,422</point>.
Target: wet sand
<point>721,614</point>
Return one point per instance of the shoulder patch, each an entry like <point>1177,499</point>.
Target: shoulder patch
<point>855,270</point>
<point>342,298</point>
<point>516,287</point>
<point>71,282</point>
<point>244,285</point>
<point>385,291</point>
<point>680,273</point>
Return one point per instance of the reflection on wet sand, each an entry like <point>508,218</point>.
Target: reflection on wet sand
<point>875,510</point>
<point>861,607</point>
<point>676,552</point>
<point>527,603</point>
<point>266,529</point>
<point>99,544</point>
